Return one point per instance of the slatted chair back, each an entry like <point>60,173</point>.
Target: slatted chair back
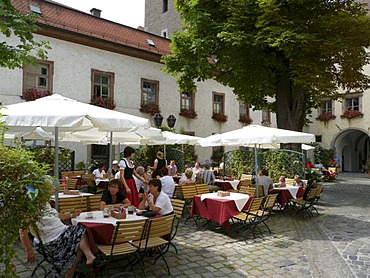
<point>71,183</point>
<point>89,179</point>
<point>247,190</point>
<point>128,231</point>
<point>270,202</point>
<point>189,191</point>
<point>289,181</point>
<point>177,192</point>
<point>255,205</point>
<point>245,182</point>
<point>202,188</point>
<point>93,202</point>
<point>260,190</point>
<point>312,194</point>
<point>66,174</point>
<point>72,204</point>
<point>160,226</point>
<point>178,207</point>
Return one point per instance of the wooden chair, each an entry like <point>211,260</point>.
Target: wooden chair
<point>247,190</point>
<point>72,204</point>
<point>78,173</point>
<point>41,250</point>
<point>178,209</point>
<point>202,188</point>
<point>177,192</point>
<point>266,210</point>
<point>249,218</point>
<point>93,202</point>
<point>246,177</point>
<point>261,192</point>
<point>188,192</point>
<point>127,239</point>
<point>289,181</point>
<point>158,237</point>
<point>71,183</point>
<point>306,205</point>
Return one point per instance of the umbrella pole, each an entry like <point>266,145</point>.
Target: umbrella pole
<point>165,154</point>
<point>110,154</point>
<point>256,167</point>
<point>56,167</point>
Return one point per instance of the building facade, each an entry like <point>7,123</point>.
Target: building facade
<point>92,59</point>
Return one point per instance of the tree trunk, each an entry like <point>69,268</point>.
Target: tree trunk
<point>290,104</point>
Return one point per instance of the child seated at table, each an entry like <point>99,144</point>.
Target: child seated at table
<point>281,182</point>
<point>298,181</point>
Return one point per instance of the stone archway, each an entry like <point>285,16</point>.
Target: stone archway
<point>352,146</point>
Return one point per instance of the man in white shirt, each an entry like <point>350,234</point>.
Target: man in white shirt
<point>168,185</point>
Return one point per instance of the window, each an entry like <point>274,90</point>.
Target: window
<point>352,104</point>
<point>39,76</point>
<point>218,103</point>
<point>149,91</point>
<point>187,101</point>
<point>266,115</point>
<point>318,138</point>
<point>102,84</point>
<point>164,33</point>
<point>327,107</point>
<point>243,109</point>
<point>165,6</point>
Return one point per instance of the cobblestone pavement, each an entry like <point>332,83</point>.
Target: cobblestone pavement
<point>336,243</point>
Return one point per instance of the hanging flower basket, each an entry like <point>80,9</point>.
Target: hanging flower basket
<point>219,117</point>
<point>350,114</point>
<point>33,94</point>
<point>188,113</point>
<point>325,117</point>
<point>245,119</point>
<point>104,102</point>
<point>150,108</point>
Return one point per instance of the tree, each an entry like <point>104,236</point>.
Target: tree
<point>293,51</point>
<point>15,24</point>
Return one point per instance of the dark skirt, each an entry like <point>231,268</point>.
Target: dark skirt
<point>62,251</point>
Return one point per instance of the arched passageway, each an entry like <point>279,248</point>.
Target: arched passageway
<point>352,146</point>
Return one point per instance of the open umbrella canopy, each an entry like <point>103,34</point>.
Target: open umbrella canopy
<point>68,115</point>
<point>252,135</point>
<point>171,138</point>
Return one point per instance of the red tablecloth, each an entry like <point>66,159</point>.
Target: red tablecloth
<point>219,210</point>
<point>284,195</point>
<point>100,233</point>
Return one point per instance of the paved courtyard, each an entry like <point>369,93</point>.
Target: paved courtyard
<point>334,244</point>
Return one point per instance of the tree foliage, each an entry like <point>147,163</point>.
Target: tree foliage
<point>294,51</point>
<point>15,24</point>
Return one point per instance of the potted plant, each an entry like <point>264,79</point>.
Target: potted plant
<point>350,114</point>
<point>104,102</point>
<point>188,113</point>
<point>245,119</point>
<point>325,117</point>
<point>150,108</point>
<point>33,94</point>
<point>219,117</point>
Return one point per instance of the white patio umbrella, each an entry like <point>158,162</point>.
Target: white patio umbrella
<point>256,135</point>
<point>57,113</point>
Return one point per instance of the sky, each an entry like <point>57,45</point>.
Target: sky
<point>127,12</point>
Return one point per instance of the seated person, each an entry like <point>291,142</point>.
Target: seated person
<point>298,181</point>
<point>265,180</point>
<point>189,177</point>
<point>99,173</point>
<point>168,185</point>
<point>281,182</point>
<point>140,185</point>
<point>172,168</point>
<point>309,165</point>
<point>113,196</point>
<point>208,177</point>
<point>64,245</point>
<point>196,169</point>
<point>156,201</point>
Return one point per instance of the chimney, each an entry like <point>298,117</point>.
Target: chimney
<point>95,12</point>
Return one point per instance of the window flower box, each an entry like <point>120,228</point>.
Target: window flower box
<point>350,114</point>
<point>219,117</point>
<point>325,117</point>
<point>188,113</point>
<point>245,119</point>
<point>104,102</point>
<point>33,94</point>
<point>150,108</point>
